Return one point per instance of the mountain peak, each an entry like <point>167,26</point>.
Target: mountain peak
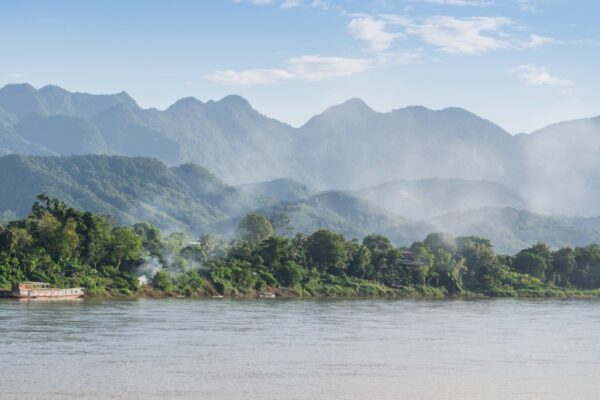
<point>352,109</point>
<point>459,112</point>
<point>52,89</point>
<point>20,99</point>
<point>353,105</point>
<point>185,102</point>
<point>235,100</point>
<point>17,87</point>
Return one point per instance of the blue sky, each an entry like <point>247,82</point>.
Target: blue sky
<point>522,64</point>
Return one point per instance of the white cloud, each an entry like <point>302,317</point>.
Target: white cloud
<point>538,76</point>
<point>255,2</point>
<point>373,31</point>
<point>322,4</point>
<point>305,68</point>
<point>16,75</point>
<point>249,77</point>
<point>460,3</point>
<point>400,57</point>
<point>287,4</point>
<point>526,5</point>
<point>318,68</point>
<point>290,3</point>
<point>537,41</point>
<point>453,35</point>
<point>472,35</point>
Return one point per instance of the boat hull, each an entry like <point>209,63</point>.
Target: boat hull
<point>65,297</point>
<point>28,293</point>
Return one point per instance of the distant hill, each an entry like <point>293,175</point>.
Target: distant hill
<point>190,198</point>
<point>62,135</point>
<point>509,229</point>
<point>352,146</point>
<point>129,189</point>
<point>11,142</point>
<point>561,167</point>
<point>337,211</point>
<point>418,199</point>
<point>280,189</point>
<point>185,197</point>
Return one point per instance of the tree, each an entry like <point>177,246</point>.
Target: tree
<point>377,243</point>
<point>359,261</point>
<point>563,265</point>
<point>422,253</point>
<point>19,239</point>
<point>274,250</point>
<point>463,241</point>
<point>530,263</point>
<point>449,271</point>
<point>290,273</point>
<point>390,268</point>
<point>254,228</point>
<point>543,251</point>
<point>297,250</point>
<point>150,236</point>
<point>382,255</point>
<point>96,237</point>
<point>326,250</point>
<point>60,240</point>
<point>212,246</point>
<point>587,271</point>
<point>126,246</point>
<point>445,241</point>
<point>162,281</point>
<point>483,268</point>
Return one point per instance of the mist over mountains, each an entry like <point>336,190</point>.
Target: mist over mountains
<point>349,168</point>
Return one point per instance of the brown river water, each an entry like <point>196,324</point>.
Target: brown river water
<point>304,349</point>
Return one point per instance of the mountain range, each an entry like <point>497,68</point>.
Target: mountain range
<point>348,146</point>
<point>349,168</point>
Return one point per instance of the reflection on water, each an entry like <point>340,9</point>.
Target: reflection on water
<point>358,349</point>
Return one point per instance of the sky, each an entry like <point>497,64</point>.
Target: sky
<point>522,64</point>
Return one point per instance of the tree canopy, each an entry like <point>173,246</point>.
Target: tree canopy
<point>66,247</point>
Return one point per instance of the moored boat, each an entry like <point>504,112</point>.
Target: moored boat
<point>41,291</point>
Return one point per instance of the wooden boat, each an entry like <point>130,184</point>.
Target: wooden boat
<point>41,291</point>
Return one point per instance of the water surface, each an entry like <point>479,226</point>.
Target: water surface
<point>272,349</point>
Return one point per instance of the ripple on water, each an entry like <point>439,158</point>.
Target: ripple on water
<point>311,349</point>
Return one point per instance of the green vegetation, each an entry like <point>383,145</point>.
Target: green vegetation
<point>186,197</point>
<point>67,247</point>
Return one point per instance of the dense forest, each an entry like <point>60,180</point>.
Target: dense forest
<point>66,247</point>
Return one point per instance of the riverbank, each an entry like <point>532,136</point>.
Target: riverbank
<point>209,292</point>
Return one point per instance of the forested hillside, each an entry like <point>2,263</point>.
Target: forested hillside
<point>189,198</point>
<point>128,189</point>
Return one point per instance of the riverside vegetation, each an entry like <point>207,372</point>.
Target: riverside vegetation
<point>68,247</point>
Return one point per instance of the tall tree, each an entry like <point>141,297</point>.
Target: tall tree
<point>254,228</point>
<point>326,251</point>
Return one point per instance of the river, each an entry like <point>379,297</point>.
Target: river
<point>304,349</point>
